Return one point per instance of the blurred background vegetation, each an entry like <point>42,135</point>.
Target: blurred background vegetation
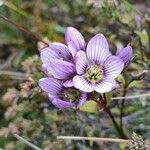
<point>25,109</point>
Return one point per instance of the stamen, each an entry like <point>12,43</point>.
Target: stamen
<point>94,73</point>
<point>71,95</point>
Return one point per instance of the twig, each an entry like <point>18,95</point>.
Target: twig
<point>131,97</point>
<point>26,142</point>
<point>21,28</point>
<point>92,139</point>
<point>16,75</point>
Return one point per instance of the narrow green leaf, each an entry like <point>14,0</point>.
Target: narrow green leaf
<point>143,37</point>
<point>136,84</point>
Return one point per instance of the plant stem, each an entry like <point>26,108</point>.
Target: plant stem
<point>123,100</point>
<point>119,130</point>
<point>122,108</point>
<point>107,110</point>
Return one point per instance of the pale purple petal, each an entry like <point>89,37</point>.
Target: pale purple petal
<point>57,102</point>
<point>72,34</point>
<point>62,50</point>
<point>83,98</point>
<point>81,62</point>
<point>125,54</point>
<point>46,54</point>
<point>51,96</point>
<point>55,51</point>
<point>51,85</point>
<point>98,49</point>
<point>61,69</point>
<point>44,69</point>
<point>72,48</point>
<point>68,83</point>
<point>105,85</point>
<point>113,66</point>
<point>82,84</point>
<point>138,20</point>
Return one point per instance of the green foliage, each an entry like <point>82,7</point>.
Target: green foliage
<point>89,106</point>
<point>143,37</point>
<point>26,110</point>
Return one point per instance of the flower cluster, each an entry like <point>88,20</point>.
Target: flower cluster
<point>77,68</point>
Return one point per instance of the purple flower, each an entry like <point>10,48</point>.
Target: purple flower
<point>125,54</point>
<point>74,40</point>
<point>55,51</point>
<point>58,59</point>
<point>138,21</point>
<point>61,96</point>
<point>97,68</point>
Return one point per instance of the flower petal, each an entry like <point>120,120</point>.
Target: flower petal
<point>61,69</point>
<point>81,62</point>
<point>138,21</point>
<point>62,50</point>
<point>125,54</point>
<point>105,85</point>
<point>98,49</point>
<point>113,66</point>
<point>55,51</point>
<point>82,84</point>
<point>83,98</point>
<point>57,102</point>
<point>44,69</point>
<point>68,83</point>
<point>46,54</point>
<point>51,85</point>
<point>72,48</point>
<point>72,34</point>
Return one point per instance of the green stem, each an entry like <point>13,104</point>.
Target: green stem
<point>119,130</point>
<point>107,110</point>
<point>123,100</point>
<point>122,108</point>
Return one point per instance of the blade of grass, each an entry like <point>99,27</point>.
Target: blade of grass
<point>131,97</point>
<point>26,142</point>
<point>92,139</point>
<point>17,9</point>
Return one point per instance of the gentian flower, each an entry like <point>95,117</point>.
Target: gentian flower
<point>58,59</point>
<point>97,68</point>
<point>125,54</point>
<point>74,40</point>
<point>61,96</point>
<point>138,21</point>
